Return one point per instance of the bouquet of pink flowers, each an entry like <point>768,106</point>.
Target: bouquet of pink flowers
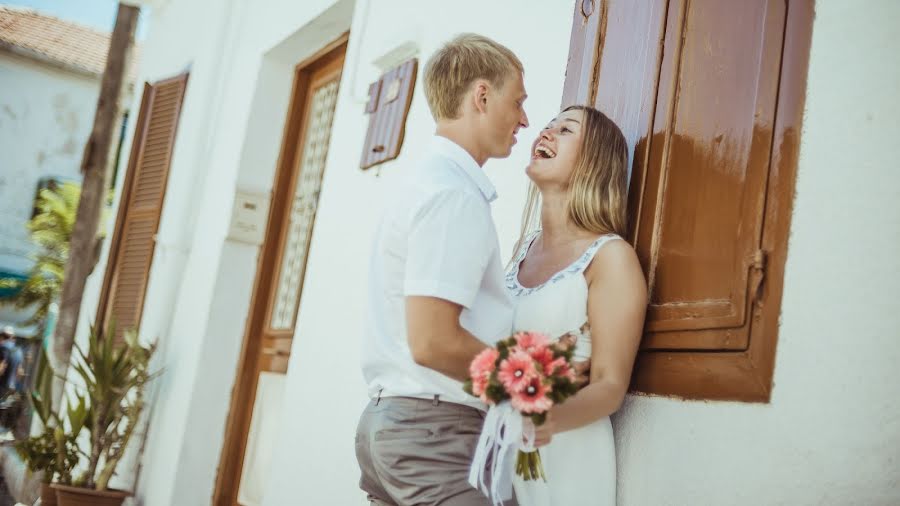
<point>531,373</point>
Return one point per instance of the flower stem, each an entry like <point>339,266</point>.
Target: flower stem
<point>529,466</point>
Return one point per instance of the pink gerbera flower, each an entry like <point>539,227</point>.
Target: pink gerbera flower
<point>480,383</point>
<point>533,398</point>
<point>484,363</point>
<point>517,371</point>
<point>531,340</point>
<point>544,357</point>
<point>559,367</point>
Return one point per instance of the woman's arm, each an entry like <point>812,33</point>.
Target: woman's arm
<point>617,301</point>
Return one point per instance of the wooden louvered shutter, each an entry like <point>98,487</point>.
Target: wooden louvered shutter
<point>131,253</point>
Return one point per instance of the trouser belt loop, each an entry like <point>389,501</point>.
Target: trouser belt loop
<point>378,398</point>
<point>435,401</point>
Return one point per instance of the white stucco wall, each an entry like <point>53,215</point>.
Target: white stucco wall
<point>831,433</point>
<point>46,116</point>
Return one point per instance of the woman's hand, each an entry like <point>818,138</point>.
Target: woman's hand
<point>543,433</point>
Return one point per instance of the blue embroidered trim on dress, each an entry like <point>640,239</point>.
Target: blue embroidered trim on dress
<point>512,277</point>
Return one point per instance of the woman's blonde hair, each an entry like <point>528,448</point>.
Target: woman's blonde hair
<point>597,187</point>
<point>454,67</point>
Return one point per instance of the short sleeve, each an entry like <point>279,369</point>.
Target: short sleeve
<point>451,239</point>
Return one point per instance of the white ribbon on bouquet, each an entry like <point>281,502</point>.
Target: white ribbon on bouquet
<point>503,434</point>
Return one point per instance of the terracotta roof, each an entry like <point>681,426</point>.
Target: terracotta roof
<point>53,40</point>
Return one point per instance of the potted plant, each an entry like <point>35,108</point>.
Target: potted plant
<point>52,452</point>
<point>109,404</point>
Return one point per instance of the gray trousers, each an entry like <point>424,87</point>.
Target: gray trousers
<point>417,452</point>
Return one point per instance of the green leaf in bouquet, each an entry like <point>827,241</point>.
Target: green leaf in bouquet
<point>502,352</point>
<point>467,387</point>
<point>496,392</point>
<point>561,389</point>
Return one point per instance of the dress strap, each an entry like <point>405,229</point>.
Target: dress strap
<point>524,247</point>
<point>585,259</point>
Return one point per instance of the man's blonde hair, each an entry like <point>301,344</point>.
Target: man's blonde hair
<point>452,69</point>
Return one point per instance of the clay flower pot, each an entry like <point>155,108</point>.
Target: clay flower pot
<point>48,495</point>
<point>78,496</point>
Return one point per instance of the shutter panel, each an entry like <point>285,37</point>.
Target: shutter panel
<point>613,64</point>
<point>702,203</point>
<point>131,253</point>
<point>584,44</point>
<point>389,101</point>
<point>627,72</point>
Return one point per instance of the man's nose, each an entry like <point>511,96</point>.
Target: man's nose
<point>523,121</point>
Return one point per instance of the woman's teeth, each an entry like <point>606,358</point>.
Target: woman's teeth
<point>543,152</point>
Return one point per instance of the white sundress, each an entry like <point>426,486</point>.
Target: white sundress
<point>580,464</point>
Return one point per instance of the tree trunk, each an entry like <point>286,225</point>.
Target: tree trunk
<point>96,165</point>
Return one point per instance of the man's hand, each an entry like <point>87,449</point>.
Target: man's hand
<point>583,368</point>
<point>582,373</point>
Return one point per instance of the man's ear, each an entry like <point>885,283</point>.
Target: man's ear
<point>482,88</point>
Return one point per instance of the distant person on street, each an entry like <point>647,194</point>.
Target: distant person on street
<point>11,360</point>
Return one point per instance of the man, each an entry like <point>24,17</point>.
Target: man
<point>437,295</point>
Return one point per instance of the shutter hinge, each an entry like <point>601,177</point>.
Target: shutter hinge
<point>758,268</point>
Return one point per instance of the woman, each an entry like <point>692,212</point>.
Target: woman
<point>575,272</point>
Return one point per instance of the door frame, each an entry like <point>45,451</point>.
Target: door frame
<point>243,397</point>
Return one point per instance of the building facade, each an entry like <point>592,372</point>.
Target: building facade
<point>251,219</point>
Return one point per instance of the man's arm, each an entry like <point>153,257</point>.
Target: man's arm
<point>449,247</point>
<point>436,339</point>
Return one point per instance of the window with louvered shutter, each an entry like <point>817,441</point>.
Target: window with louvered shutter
<point>133,243</point>
<point>706,92</point>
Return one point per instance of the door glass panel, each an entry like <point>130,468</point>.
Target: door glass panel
<point>303,207</point>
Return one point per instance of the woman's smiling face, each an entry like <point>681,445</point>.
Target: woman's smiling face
<point>555,151</point>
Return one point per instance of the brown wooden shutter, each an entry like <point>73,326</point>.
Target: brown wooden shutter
<point>131,251</point>
<point>700,224</point>
<point>389,101</point>
<point>584,46</point>
<point>709,95</point>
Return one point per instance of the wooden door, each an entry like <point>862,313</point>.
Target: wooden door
<point>282,266</point>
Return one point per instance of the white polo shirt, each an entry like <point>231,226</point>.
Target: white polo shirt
<point>437,238</point>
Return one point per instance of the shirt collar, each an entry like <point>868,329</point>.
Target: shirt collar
<point>459,156</point>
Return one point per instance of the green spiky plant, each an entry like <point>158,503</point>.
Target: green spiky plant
<point>114,374</point>
<point>50,230</point>
<point>53,451</point>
